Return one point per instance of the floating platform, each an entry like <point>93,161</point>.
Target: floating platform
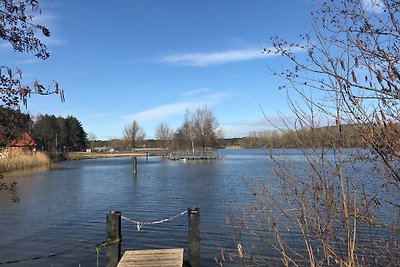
<point>196,155</point>
<point>152,258</point>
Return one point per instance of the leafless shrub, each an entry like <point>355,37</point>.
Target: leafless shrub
<point>337,206</point>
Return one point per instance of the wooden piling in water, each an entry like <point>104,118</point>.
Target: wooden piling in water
<point>194,237</point>
<point>134,165</point>
<point>113,238</point>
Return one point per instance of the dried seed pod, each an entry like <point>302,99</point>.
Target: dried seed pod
<point>356,61</point>
<point>353,76</point>
<point>342,63</point>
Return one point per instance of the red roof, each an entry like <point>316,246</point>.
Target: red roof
<point>25,141</point>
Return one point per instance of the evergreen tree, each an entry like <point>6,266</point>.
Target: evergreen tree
<point>13,123</point>
<point>77,135</point>
<point>45,131</point>
<point>55,134</point>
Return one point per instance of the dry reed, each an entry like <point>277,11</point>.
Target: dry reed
<point>23,161</point>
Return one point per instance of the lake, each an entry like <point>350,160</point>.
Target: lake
<point>62,211</point>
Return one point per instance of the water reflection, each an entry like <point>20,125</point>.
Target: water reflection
<point>27,172</point>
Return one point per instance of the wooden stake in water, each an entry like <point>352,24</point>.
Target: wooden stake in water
<point>194,236</point>
<point>113,238</point>
<point>134,165</point>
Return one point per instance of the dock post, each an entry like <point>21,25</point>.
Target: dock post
<point>147,156</point>
<point>194,237</point>
<point>134,165</point>
<point>113,238</point>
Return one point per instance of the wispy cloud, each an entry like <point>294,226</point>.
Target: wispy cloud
<point>195,92</point>
<point>374,6</point>
<point>50,21</point>
<point>163,112</point>
<point>216,58</point>
<point>160,112</point>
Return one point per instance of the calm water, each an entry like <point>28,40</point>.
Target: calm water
<point>62,211</point>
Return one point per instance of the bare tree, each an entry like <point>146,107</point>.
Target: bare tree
<point>205,127</point>
<point>344,205</point>
<point>184,135</point>
<point>92,139</point>
<point>163,134</point>
<point>199,129</point>
<point>133,133</point>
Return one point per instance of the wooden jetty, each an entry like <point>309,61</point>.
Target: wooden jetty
<point>155,257</point>
<point>96,155</point>
<point>193,155</point>
<point>152,258</point>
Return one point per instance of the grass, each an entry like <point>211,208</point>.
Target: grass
<point>23,161</point>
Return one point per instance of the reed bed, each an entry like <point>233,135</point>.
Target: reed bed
<point>23,161</point>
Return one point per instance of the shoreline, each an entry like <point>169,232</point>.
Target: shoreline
<point>86,155</point>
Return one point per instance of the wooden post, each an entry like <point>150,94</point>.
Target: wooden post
<point>194,237</point>
<point>113,238</point>
<point>134,165</point>
<point>147,156</point>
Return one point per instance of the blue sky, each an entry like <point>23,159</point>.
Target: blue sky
<point>150,60</point>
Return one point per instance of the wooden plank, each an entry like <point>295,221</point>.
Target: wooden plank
<point>152,258</point>
<point>190,155</point>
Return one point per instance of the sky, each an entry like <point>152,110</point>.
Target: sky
<point>150,60</point>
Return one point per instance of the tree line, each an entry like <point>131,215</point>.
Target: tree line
<point>58,134</point>
<point>199,130</point>
<point>50,133</point>
<point>326,136</point>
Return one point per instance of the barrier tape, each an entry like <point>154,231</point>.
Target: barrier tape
<point>140,224</point>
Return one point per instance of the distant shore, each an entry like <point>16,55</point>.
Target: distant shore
<point>96,155</point>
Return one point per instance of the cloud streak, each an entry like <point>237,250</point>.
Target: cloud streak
<point>216,58</point>
<point>160,112</point>
<point>195,92</point>
<point>163,112</point>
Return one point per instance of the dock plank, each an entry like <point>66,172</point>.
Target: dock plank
<point>193,155</point>
<point>152,258</point>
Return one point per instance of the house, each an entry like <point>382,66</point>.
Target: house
<point>23,144</point>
